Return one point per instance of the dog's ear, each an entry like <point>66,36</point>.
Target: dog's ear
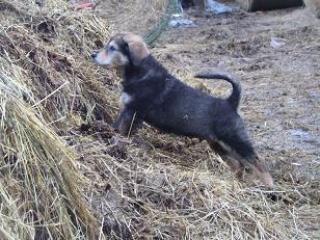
<point>137,48</point>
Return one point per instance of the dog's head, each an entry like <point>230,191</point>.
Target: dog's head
<point>122,49</point>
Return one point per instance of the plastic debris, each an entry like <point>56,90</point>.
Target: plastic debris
<point>178,19</point>
<point>277,42</point>
<point>176,22</point>
<point>218,8</point>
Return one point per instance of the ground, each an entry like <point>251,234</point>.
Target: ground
<point>277,57</point>
<point>168,187</point>
<point>66,174</point>
<point>78,177</point>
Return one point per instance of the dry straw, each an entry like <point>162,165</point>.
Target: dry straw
<point>44,87</point>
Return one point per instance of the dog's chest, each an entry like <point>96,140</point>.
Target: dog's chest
<point>125,98</point>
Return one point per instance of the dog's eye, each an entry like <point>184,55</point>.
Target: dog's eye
<point>112,48</point>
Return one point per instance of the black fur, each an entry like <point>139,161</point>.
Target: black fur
<point>168,104</point>
<point>234,98</point>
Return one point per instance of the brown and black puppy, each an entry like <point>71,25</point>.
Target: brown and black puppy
<point>153,95</point>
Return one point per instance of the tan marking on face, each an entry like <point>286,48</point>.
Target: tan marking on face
<point>113,58</point>
<point>137,47</point>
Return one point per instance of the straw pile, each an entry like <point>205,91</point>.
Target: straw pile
<point>44,90</point>
<point>64,174</point>
<point>138,16</point>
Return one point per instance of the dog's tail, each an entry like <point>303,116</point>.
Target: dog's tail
<point>235,96</point>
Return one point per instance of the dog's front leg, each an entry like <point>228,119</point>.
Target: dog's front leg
<point>127,122</point>
<point>118,120</point>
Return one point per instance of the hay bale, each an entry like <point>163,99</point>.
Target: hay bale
<point>139,16</point>
<point>54,47</point>
<point>38,178</point>
<point>45,83</point>
<point>314,6</point>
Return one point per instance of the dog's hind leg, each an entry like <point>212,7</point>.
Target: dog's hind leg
<point>239,142</point>
<point>235,166</point>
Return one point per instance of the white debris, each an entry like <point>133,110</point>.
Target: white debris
<point>277,42</point>
<point>218,8</point>
<point>178,19</point>
<point>181,22</point>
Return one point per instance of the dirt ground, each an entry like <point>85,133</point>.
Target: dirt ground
<point>168,187</point>
<point>161,186</point>
<point>281,105</point>
<point>77,177</point>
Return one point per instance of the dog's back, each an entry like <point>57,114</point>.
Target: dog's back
<point>186,111</point>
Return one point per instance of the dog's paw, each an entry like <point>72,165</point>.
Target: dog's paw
<point>115,126</point>
<point>119,140</point>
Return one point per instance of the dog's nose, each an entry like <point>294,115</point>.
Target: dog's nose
<point>94,54</point>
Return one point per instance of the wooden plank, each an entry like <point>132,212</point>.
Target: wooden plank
<point>264,5</point>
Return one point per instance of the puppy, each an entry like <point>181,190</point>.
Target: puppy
<point>153,95</point>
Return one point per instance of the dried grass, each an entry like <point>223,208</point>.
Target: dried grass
<point>138,16</point>
<point>65,175</point>
<point>39,180</point>
<point>46,88</point>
